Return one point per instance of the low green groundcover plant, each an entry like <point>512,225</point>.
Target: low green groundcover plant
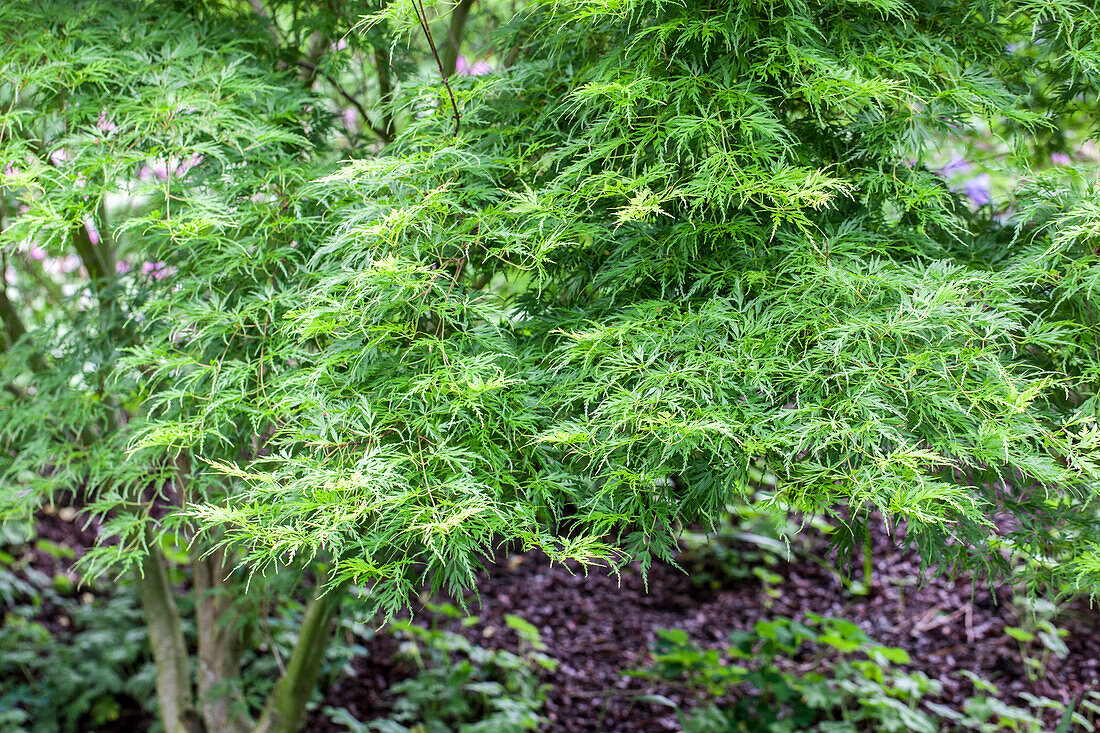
<point>461,686</point>
<point>80,666</point>
<point>824,675</point>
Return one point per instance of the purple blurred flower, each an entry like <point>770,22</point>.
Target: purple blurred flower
<point>463,67</point>
<point>36,253</point>
<point>1059,159</point>
<point>122,267</point>
<point>979,189</point>
<point>957,165</point>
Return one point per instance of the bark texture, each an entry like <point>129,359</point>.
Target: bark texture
<point>174,696</point>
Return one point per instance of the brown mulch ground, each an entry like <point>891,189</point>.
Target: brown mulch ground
<point>597,627</point>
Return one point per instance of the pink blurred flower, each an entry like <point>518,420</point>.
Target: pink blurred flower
<point>188,163</point>
<point>36,253</point>
<point>157,270</point>
<point>59,156</point>
<point>122,267</point>
<point>81,180</point>
<point>163,169</point>
<point>93,232</point>
<point>105,125</point>
<point>349,116</point>
<point>1059,159</point>
<point>463,67</point>
<point>340,45</point>
<point>70,263</point>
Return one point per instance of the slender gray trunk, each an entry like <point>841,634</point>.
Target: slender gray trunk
<point>173,669</point>
<point>219,648</point>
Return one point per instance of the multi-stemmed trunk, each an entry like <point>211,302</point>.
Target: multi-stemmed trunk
<point>218,707</point>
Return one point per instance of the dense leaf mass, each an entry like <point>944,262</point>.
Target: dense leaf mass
<point>674,247</point>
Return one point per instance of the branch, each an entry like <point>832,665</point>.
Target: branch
<point>272,28</point>
<point>385,89</point>
<point>286,705</point>
<point>174,696</point>
<point>13,324</point>
<point>219,647</point>
<point>422,17</point>
<point>346,95</point>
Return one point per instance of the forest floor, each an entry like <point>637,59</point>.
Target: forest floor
<point>598,627</point>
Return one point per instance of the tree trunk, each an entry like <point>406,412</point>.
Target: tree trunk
<point>286,705</point>
<point>453,44</point>
<point>174,697</point>
<point>221,704</point>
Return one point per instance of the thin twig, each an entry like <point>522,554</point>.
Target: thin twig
<point>422,16</point>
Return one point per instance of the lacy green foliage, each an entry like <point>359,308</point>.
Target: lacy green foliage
<point>462,686</point>
<point>141,139</point>
<point>824,675</point>
<point>671,241</point>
